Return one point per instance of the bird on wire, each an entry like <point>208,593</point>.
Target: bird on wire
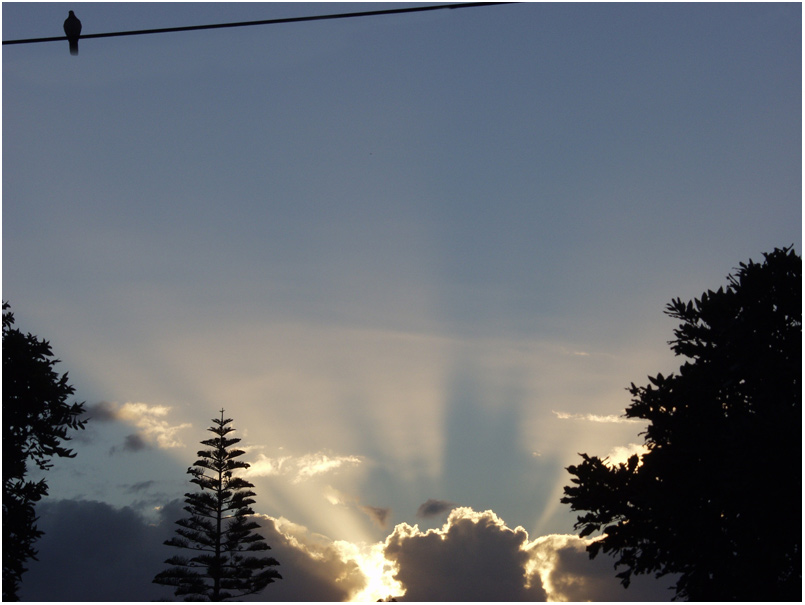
<point>72,29</point>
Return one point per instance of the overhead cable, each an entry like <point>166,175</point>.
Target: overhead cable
<point>163,30</point>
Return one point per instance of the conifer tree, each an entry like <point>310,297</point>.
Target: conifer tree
<point>219,529</point>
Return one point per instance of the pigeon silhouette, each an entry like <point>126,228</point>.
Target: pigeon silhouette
<point>72,29</point>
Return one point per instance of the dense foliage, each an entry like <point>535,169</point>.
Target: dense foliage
<point>36,418</point>
<point>219,529</point>
<point>717,498</point>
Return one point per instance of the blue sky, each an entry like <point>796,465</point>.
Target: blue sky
<point>415,257</point>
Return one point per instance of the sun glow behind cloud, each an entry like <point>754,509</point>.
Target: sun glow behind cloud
<point>446,562</point>
<point>323,388</point>
<point>331,316</point>
<point>342,403</point>
<point>337,405</point>
<point>472,556</point>
<point>378,570</point>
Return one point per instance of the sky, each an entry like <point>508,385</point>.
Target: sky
<point>416,258</point>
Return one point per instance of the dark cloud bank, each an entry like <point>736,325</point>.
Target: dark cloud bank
<point>92,551</point>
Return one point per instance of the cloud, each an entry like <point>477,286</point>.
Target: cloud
<point>477,557</point>
<point>301,467</point>
<point>311,465</point>
<point>433,508</point>
<point>621,453</point>
<point>473,557</point>
<point>140,486</point>
<point>147,418</point>
<point>313,567</point>
<point>594,417</point>
<point>268,467</point>
<point>568,573</point>
<point>575,352</point>
<point>103,411</point>
<point>132,443</point>
<point>380,515</point>
<point>377,514</point>
<point>92,551</point>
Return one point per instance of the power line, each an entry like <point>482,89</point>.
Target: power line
<point>164,30</point>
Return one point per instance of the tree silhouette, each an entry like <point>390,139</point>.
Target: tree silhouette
<point>717,497</point>
<point>219,529</point>
<point>36,417</point>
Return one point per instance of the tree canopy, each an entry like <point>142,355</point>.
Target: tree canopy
<point>36,418</point>
<point>220,529</point>
<point>717,498</point>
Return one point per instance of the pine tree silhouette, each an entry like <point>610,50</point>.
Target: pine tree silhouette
<point>219,529</point>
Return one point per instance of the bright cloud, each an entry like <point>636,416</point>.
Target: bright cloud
<point>301,467</point>
<point>327,570</point>
<point>267,467</point>
<point>377,570</point>
<point>593,417</point>
<point>314,568</point>
<point>149,420</point>
<point>345,571</point>
<point>575,352</point>
<point>568,573</point>
<point>620,454</point>
<point>311,465</point>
